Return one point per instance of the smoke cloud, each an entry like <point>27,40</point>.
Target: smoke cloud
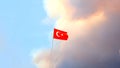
<point>93,27</point>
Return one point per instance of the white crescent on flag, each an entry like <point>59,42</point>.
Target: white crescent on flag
<point>57,34</point>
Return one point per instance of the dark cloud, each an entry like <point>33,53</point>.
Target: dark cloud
<point>98,49</point>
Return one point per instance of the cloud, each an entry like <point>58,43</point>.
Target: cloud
<point>94,35</point>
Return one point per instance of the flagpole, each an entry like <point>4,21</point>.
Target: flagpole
<point>52,54</point>
<point>52,51</point>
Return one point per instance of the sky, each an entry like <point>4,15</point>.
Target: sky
<point>22,31</point>
<point>26,28</point>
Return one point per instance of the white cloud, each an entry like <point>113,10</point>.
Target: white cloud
<point>93,29</point>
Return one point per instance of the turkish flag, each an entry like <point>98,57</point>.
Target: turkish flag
<point>59,34</point>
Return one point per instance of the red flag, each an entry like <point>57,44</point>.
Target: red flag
<point>59,34</point>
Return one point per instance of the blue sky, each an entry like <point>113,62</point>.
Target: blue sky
<point>21,31</point>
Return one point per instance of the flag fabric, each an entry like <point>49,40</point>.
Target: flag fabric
<point>59,34</point>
